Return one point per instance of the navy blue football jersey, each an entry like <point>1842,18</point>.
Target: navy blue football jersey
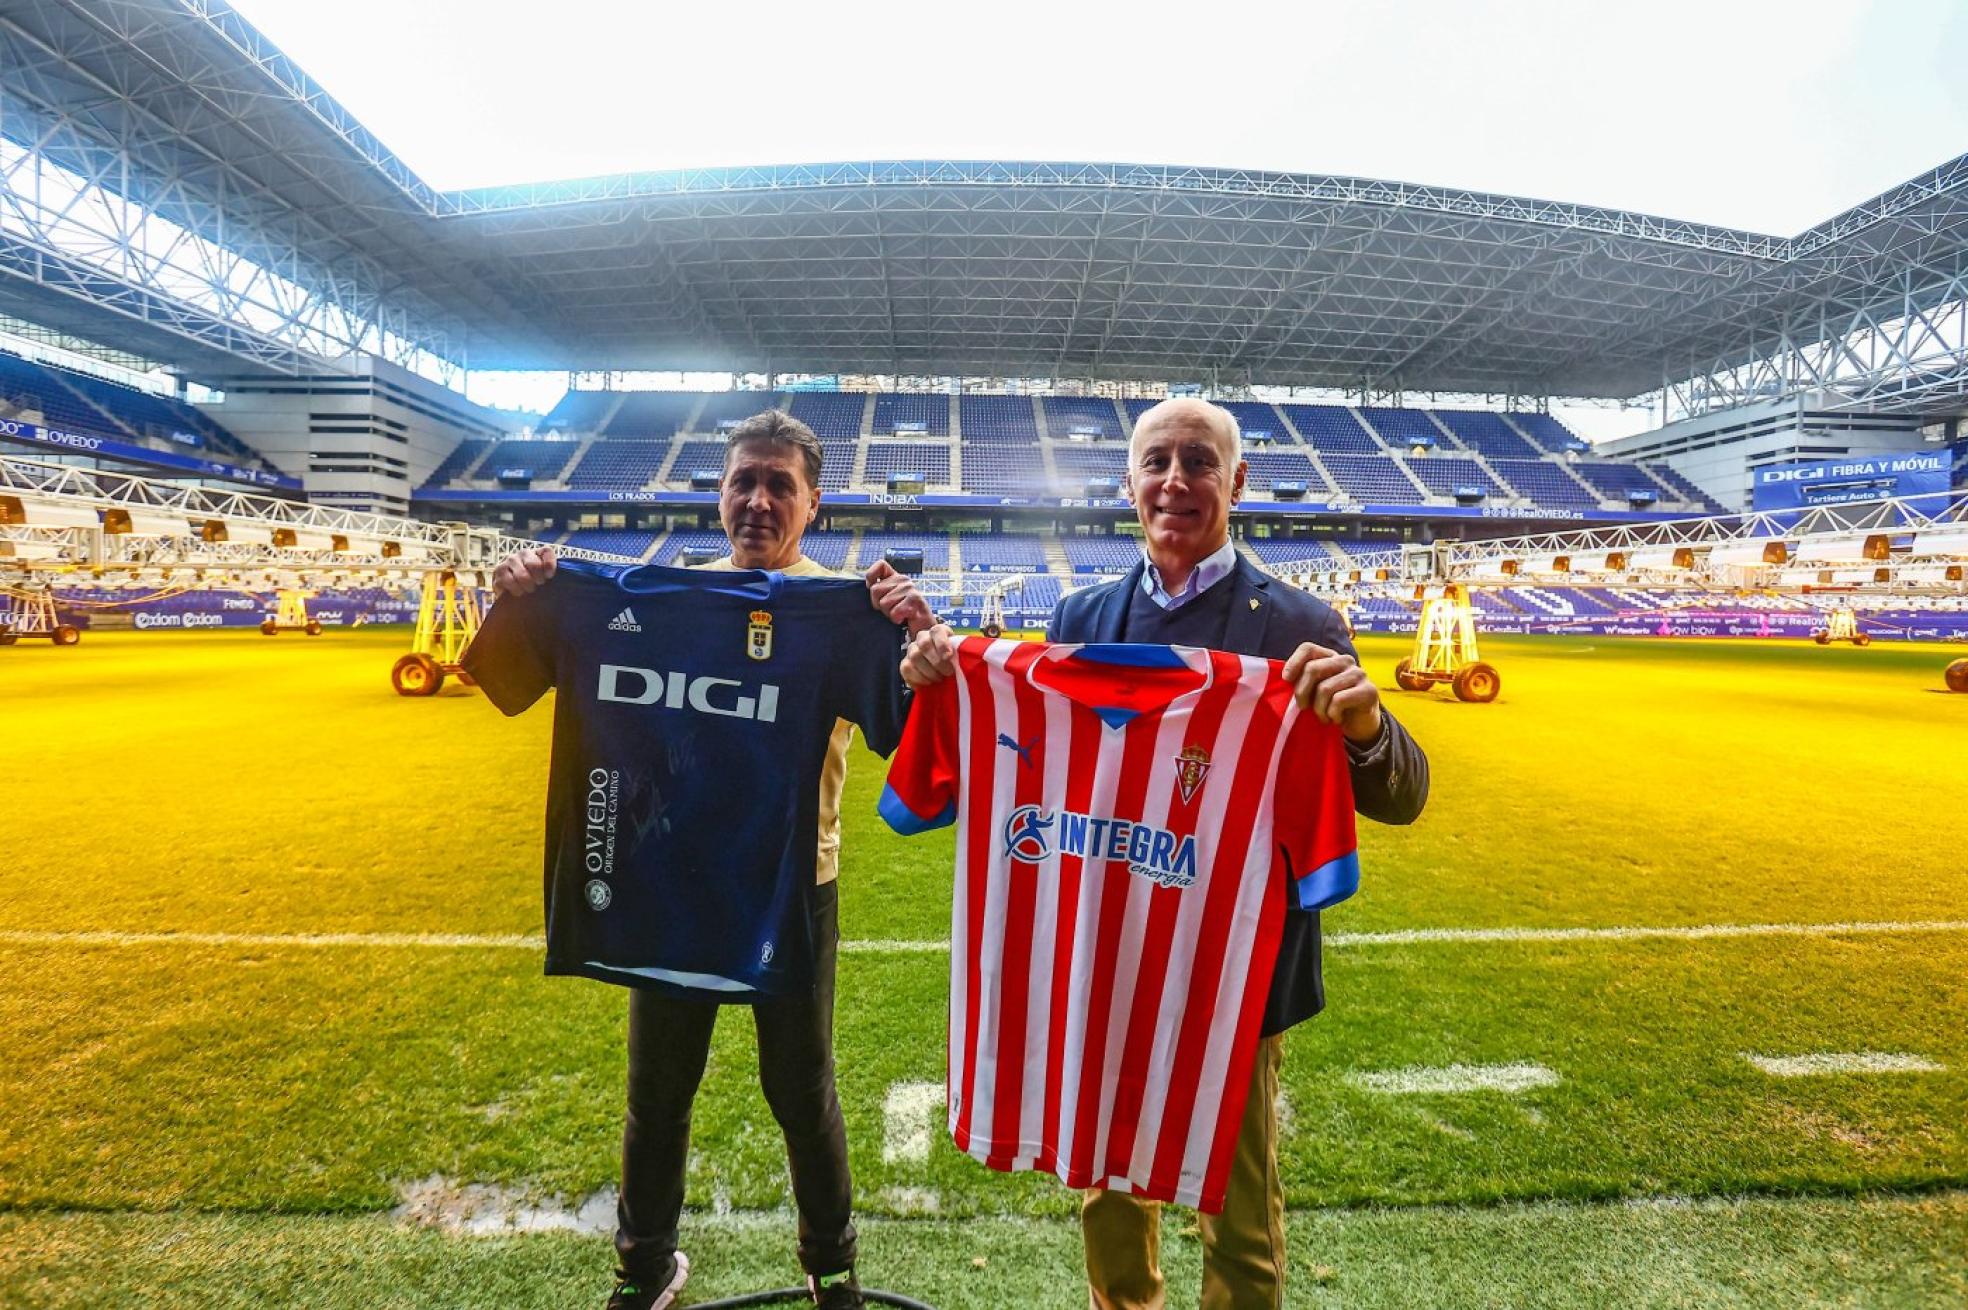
<point>691,722</point>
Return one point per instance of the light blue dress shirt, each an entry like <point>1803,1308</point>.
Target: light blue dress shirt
<point>1201,578</point>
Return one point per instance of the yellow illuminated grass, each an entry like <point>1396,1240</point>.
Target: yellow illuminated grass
<point>237,784</point>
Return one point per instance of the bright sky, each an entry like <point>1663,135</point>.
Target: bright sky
<point>1769,116</point>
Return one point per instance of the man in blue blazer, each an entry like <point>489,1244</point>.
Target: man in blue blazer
<point>1185,471</point>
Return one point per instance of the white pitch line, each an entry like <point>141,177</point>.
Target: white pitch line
<point>909,1121</point>
<point>1830,1062</point>
<point>442,940</point>
<point>1508,1078</point>
<point>1690,932</point>
<point>899,946</point>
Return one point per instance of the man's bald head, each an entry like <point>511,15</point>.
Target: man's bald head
<point>1189,412</point>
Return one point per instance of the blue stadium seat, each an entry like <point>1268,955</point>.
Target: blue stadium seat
<point>1544,483</point>
<point>1092,415</point>
<point>730,407</point>
<point>618,465</point>
<point>579,411</point>
<point>1487,434</point>
<point>1330,428</point>
<point>833,415</point>
<point>1115,553</point>
<point>1002,552</point>
<point>928,458</point>
<point>997,420</point>
<point>1400,428</point>
<point>1374,480</point>
<point>1445,475</point>
<point>530,459</point>
<point>649,414</point>
<point>932,411</point>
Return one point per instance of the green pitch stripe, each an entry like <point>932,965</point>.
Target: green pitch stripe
<point>1402,937</point>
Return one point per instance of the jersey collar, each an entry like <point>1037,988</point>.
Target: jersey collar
<point>1121,681</point>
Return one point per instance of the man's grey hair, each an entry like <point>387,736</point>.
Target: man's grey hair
<point>1220,420</point>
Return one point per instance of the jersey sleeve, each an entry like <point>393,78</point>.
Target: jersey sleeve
<point>512,657</point>
<point>866,675</point>
<point>1314,808</point>
<point>921,792</point>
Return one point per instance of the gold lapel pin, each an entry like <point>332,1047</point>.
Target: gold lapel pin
<point>1254,602</point>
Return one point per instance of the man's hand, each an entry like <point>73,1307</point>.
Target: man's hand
<point>895,595</point>
<point>527,571</point>
<point>1337,690</point>
<point>931,657</point>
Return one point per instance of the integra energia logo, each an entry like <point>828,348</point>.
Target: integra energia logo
<point>1033,835</point>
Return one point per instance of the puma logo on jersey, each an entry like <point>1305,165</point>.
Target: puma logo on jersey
<point>624,622</point>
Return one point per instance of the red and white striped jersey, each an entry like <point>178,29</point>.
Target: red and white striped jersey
<point>1123,869</point>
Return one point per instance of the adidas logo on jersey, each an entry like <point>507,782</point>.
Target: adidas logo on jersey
<point>624,622</point>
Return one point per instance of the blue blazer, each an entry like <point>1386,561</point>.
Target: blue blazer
<point>1390,787</point>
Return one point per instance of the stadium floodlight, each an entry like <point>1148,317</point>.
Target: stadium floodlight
<point>1664,559</point>
<point>29,550</point>
<point>26,511</point>
<point>1844,550</point>
<point>1545,564</point>
<point>1492,569</point>
<point>1933,575</point>
<point>1950,543</point>
<point>1748,554</point>
<point>144,523</point>
<point>238,534</point>
<point>303,539</point>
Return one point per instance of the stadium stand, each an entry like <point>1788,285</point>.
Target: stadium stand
<point>613,541</point>
<point>1487,434</point>
<point>1102,554</point>
<point>618,465</point>
<point>1614,481</point>
<point>1289,550</point>
<point>1687,490</point>
<point>1401,429</point>
<point>1003,470</point>
<point>1547,432</point>
<point>932,411</point>
<point>528,459</point>
<point>1333,429</point>
<point>927,458</point>
<point>694,457</point>
<point>731,407</point>
<point>76,401</point>
<point>833,415</point>
<point>1445,475</point>
<point>1002,553</point>
<point>580,411</point>
<point>455,465</point>
<point>647,414</point>
<point>1077,462</point>
<point>1001,420</point>
<point>1268,467</point>
<point>827,549</point>
<point>1372,480</point>
<point>1544,483</point>
<point>836,465</point>
<point>935,547</point>
<point>1094,415</point>
<point>1258,418</point>
<point>674,545</point>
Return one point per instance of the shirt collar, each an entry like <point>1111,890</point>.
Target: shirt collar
<point>1205,575</point>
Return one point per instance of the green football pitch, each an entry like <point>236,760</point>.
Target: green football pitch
<point>1660,1003</point>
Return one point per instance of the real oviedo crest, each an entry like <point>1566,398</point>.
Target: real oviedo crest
<point>758,637</point>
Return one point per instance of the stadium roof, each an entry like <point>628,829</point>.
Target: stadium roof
<point>928,266</point>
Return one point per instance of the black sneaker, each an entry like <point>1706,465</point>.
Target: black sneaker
<point>835,1291</point>
<point>633,1295</point>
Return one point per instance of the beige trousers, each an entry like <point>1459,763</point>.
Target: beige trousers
<point>1243,1248</point>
